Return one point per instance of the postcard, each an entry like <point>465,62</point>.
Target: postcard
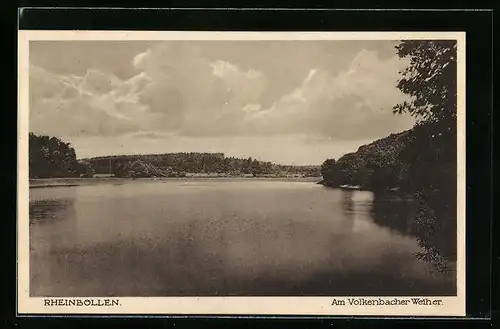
<point>241,173</point>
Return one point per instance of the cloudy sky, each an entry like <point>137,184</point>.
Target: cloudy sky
<point>289,102</point>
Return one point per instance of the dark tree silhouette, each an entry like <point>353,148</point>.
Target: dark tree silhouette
<point>52,157</point>
<point>430,154</point>
<point>330,172</point>
<point>430,78</point>
<point>421,161</point>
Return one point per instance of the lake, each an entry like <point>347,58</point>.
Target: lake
<point>224,238</point>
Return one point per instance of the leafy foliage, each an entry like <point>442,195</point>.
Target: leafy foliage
<point>52,157</point>
<point>422,161</point>
<point>329,171</point>
<point>374,166</point>
<point>430,79</point>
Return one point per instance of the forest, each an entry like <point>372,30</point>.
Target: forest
<point>183,164</point>
<point>50,157</point>
<point>375,166</point>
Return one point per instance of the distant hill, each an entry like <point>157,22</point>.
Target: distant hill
<point>182,164</point>
<point>375,165</point>
<point>51,157</point>
<point>386,149</point>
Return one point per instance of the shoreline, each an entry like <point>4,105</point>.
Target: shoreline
<point>387,191</point>
<point>77,181</point>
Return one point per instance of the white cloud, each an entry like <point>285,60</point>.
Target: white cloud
<point>223,69</point>
<point>355,103</point>
<point>97,82</point>
<point>251,108</point>
<point>198,96</point>
<point>97,103</point>
<point>173,92</point>
<point>140,58</point>
<point>177,90</point>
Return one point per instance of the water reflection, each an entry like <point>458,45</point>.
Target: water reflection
<point>50,210</point>
<point>393,211</point>
<point>436,238</point>
<point>244,238</point>
<point>52,223</point>
<point>51,204</point>
<point>348,203</point>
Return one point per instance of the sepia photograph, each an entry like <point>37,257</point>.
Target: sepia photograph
<point>241,173</point>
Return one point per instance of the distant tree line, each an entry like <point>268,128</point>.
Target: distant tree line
<point>50,157</point>
<point>181,164</point>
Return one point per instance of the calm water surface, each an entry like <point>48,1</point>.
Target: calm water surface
<point>167,238</point>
